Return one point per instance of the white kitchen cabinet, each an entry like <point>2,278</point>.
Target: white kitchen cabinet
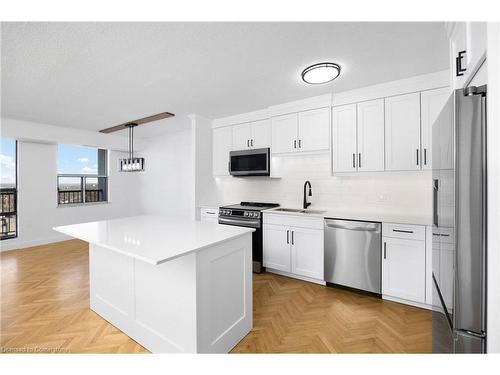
<point>431,104</point>
<point>256,134</point>
<point>242,134</point>
<point>284,133</point>
<point>314,130</point>
<point>222,145</point>
<point>402,132</point>
<point>294,245</point>
<point>403,269</point>
<point>209,214</point>
<point>370,135</point>
<point>307,252</point>
<point>277,247</point>
<point>301,132</point>
<point>344,138</point>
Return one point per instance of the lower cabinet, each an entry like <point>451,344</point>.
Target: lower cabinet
<point>295,250</point>
<point>403,262</point>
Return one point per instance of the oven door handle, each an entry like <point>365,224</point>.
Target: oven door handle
<point>241,223</point>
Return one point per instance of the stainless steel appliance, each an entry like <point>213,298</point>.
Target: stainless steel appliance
<point>253,162</point>
<point>459,230</point>
<point>248,214</point>
<point>353,254</point>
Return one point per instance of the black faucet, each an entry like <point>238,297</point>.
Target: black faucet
<point>306,203</point>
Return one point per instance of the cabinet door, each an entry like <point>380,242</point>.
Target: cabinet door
<point>403,269</point>
<point>261,134</point>
<point>402,132</point>
<point>222,143</point>
<point>314,130</point>
<point>241,136</point>
<point>276,247</point>
<point>431,104</point>
<point>308,252</point>
<point>344,138</point>
<point>284,133</point>
<point>371,135</point>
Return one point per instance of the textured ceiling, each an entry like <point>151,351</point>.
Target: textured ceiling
<point>95,75</point>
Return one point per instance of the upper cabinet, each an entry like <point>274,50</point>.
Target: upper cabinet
<point>256,134</point>
<point>468,42</point>
<point>358,137</point>
<point>221,145</point>
<point>301,132</point>
<point>432,103</point>
<point>344,147</point>
<point>371,135</point>
<point>402,133</point>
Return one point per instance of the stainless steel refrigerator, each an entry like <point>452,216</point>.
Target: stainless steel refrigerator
<point>459,230</point>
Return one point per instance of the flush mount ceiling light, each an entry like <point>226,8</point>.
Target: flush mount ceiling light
<point>320,73</point>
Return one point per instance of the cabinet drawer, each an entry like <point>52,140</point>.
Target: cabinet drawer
<point>409,232</point>
<point>445,235</point>
<point>209,211</point>
<point>293,221</point>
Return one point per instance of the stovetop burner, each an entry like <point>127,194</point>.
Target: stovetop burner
<point>255,206</point>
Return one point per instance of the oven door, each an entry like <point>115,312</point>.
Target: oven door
<point>249,162</point>
<point>257,248</point>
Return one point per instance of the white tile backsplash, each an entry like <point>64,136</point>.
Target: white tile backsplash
<point>391,192</point>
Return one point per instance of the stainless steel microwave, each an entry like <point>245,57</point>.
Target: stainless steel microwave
<point>249,162</point>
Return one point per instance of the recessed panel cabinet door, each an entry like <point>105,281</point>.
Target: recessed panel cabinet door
<point>284,133</point>
<point>308,252</point>
<point>276,253</point>
<point>344,138</point>
<point>403,269</point>
<point>432,103</point>
<point>371,135</point>
<point>261,134</point>
<point>222,143</point>
<point>402,132</point>
<point>314,130</point>
<point>242,134</point>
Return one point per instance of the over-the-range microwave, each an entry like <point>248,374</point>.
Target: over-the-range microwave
<point>249,162</point>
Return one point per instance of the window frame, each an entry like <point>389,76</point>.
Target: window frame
<point>15,190</point>
<point>101,154</point>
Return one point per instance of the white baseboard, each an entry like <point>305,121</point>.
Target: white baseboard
<point>16,243</point>
<point>407,302</point>
<point>294,276</point>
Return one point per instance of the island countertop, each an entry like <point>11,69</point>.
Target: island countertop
<point>151,238</point>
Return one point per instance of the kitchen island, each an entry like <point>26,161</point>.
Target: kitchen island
<point>172,285</point>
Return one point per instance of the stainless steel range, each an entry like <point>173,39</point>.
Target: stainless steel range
<point>248,214</point>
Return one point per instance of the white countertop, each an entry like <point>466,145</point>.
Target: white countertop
<point>378,216</point>
<point>153,239</point>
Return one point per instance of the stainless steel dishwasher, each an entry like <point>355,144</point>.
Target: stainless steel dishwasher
<point>353,254</point>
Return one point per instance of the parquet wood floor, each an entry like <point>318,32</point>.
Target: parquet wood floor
<point>44,308</point>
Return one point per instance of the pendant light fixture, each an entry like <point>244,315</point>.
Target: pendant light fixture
<point>320,73</point>
<point>131,164</point>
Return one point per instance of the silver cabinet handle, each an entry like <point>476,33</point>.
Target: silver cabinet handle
<point>251,142</point>
<point>300,141</point>
<point>295,144</point>
<point>425,156</point>
<point>402,231</point>
<point>385,250</point>
<point>354,160</point>
<point>359,160</point>
<point>417,156</point>
<point>288,237</point>
<point>293,243</point>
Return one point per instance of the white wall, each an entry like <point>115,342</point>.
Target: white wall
<point>38,212</point>
<point>167,186</point>
<point>391,192</point>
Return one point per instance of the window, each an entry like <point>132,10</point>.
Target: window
<point>81,174</point>
<point>8,188</point>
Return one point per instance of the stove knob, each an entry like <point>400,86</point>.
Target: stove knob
<point>246,214</point>
<point>254,214</point>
